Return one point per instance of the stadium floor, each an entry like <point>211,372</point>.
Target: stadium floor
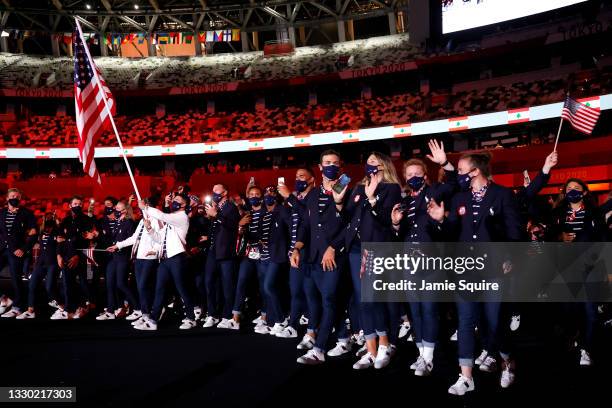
<point>113,365</point>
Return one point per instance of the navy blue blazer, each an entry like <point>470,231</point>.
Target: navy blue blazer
<point>498,218</point>
<point>18,238</point>
<point>325,229</point>
<point>123,230</point>
<point>367,223</point>
<point>421,227</point>
<point>48,249</point>
<point>225,232</point>
<point>280,230</point>
<point>72,228</point>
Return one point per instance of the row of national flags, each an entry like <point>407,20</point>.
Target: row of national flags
<point>158,38</point>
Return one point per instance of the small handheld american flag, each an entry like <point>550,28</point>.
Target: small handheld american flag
<point>582,117</point>
<point>91,98</point>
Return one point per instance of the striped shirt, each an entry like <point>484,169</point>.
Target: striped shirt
<point>9,220</point>
<point>410,213</point>
<point>266,227</point>
<point>574,220</point>
<point>325,199</point>
<point>254,225</point>
<point>213,225</point>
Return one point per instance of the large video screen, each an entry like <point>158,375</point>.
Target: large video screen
<point>460,15</point>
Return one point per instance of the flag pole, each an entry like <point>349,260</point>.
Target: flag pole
<point>558,133</point>
<point>108,111</point>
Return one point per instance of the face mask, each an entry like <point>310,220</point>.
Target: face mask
<point>255,201</point>
<point>574,196</point>
<point>117,214</point>
<point>331,172</point>
<point>464,181</point>
<point>175,206</point>
<point>77,209</point>
<point>301,185</point>
<point>217,197</point>
<point>108,210</point>
<point>369,169</point>
<point>415,182</point>
<point>14,202</point>
<point>269,200</point>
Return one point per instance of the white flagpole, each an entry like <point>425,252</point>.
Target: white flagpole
<point>558,133</point>
<point>108,111</point>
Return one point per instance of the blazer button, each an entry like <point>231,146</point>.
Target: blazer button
<point>358,219</point>
<point>474,236</point>
<point>416,226</point>
<point>318,225</point>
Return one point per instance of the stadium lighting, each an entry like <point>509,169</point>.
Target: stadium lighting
<point>135,6</point>
<point>4,34</point>
<point>88,6</point>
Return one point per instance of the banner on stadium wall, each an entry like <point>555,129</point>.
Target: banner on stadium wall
<point>500,118</point>
<point>380,70</point>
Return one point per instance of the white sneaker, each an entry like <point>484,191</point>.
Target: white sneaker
<point>481,358</point>
<point>307,343</point>
<point>366,361</point>
<point>342,347</point>
<point>146,325</point>
<point>359,338</point>
<point>419,361</point>
<point>233,325</point>
<point>54,304</point>
<point>138,321</point>
<point>5,304</point>
<point>59,315</point>
<point>303,320</point>
<point>489,365</point>
<point>382,358</point>
<point>362,351</point>
<point>585,358</point>
<point>259,320</point>
<point>404,330</point>
<point>424,368</point>
<point>277,328</point>
<point>105,315</point>
<point>197,311</point>
<point>288,333</point>
<point>223,324</point>
<point>135,315</point>
<point>210,322</point>
<point>507,377</point>
<point>11,313</point>
<point>515,322</point>
<point>453,337</point>
<point>312,357</point>
<point>391,349</point>
<point>262,329</point>
<point>462,386</point>
<point>187,324</point>
<point>26,315</point>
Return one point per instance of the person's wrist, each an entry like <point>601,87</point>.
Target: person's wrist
<point>444,164</point>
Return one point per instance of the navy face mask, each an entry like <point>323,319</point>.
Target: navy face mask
<point>255,201</point>
<point>269,199</point>
<point>77,209</point>
<point>117,214</point>
<point>14,202</point>
<point>369,169</point>
<point>301,185</point>
<point>574,196</point>
<point>108,210</point>
<point>415,182</point>
<point>217,197</point>
<point>331,172</point>
<point>464,181</point>
<point>175,206</point>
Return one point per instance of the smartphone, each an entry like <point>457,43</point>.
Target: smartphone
<point>92,201</point>
<point>526,177</point>
<point>208,199</point>
<point>252,181</point>
<point>341,183</point>
<point>281,180</point>
<point>402,207</point>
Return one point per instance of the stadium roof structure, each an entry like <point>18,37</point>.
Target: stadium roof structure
<point>127,16</point>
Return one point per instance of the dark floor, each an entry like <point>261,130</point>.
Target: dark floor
<point>113,365</point>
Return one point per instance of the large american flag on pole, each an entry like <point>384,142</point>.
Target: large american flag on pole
<point>582,117</point>
<point>91,115</point>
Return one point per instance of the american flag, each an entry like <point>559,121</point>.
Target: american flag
<point>582,117</point>
<point>91,115</point>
